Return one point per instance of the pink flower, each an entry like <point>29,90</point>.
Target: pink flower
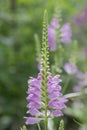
<point>56,101</point>
<point>51,38</point>
<point>65,31</point>
<point>82,81</point>
<point>70,69</point>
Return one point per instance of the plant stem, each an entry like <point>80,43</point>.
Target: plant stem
<point>46,121</point>
<point>38,126</point>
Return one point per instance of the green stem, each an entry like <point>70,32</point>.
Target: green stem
<point>46,121</point>
<point>77,122</point>
<point>38,126</point>
<point>46,108</point>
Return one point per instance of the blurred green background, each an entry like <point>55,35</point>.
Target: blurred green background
<point>20,20</point>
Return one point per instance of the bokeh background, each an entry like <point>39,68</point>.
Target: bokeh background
<point>20,20</point>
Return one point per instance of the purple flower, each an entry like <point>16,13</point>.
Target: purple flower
<point>77,88</point>
<point>51,38</point>
<point>32,120</point>
<point>81,19</point>
<point>34,99</point>
<point>56,101</point>
<point>45,99</point>
<point>82,81</point>
<point>55,23</point>
<point>52,34</point>
<point>66,33</point>
<point>70,69</point>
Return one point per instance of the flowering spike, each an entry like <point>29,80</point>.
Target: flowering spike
<point>45,67</point>
<point>66,33</point>
<point>45,52</point>
<point>54,34</point>
<point>44,97</point>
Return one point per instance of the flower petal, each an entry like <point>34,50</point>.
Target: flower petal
<point>57,113</point>
<point>34,112</point>
<point>31,120</point>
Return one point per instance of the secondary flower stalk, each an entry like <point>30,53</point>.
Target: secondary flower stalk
<point>64,32</point>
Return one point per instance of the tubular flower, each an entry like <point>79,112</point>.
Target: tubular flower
<point>51,38</point>
<point>65,32</point>
<point>45,99</point>
<point>82,82</point>
<point>70,68</point>
<point>35,99</point>
<point>55,23</point>
<point>56,100</point>
<point>52,34</point>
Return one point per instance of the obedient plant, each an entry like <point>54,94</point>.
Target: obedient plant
<point>82,82</point>
<point>45,99</point>
<point>58,34</point>
<point>52,34</point>
<point>70,68</point>
<point>65,32</point>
